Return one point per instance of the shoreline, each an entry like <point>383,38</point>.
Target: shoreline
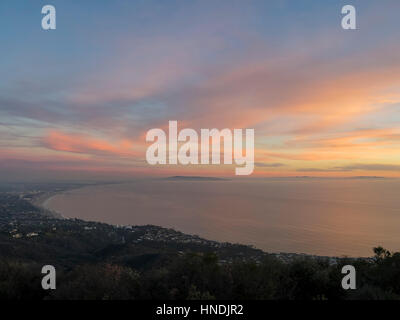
<point>42,203</point>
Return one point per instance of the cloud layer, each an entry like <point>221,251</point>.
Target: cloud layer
<point>321,100</point>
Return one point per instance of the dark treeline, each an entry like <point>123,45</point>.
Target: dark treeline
<point>202,276</point>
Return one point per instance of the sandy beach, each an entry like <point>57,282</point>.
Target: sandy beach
<point>42,202</point>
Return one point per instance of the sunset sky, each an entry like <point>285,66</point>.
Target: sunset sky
<point>78,101</point>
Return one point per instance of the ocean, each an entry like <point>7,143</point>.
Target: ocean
<point>330,217</point>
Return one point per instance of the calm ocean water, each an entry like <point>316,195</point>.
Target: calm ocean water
<point>315,216</point>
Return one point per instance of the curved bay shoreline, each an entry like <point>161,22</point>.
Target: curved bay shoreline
<point>44,200</point>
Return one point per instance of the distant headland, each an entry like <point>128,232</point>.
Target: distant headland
<point>195,178</point>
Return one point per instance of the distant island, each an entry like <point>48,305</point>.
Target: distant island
<point>352,177</point>
<point>366,177</point>
<point>195,178</point>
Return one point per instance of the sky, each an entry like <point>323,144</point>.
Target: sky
<point>76,102</point>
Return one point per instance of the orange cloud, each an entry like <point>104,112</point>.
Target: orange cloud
<point>328,96</point>
<point>78,143</point>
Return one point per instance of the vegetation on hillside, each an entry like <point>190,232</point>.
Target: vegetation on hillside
<point>201,276</point>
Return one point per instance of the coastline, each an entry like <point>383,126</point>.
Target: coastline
<point>140,215</point>
<point>41,202</point>
<point>44,201</point>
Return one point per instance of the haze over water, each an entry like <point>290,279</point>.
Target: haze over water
<point>315,216</point>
